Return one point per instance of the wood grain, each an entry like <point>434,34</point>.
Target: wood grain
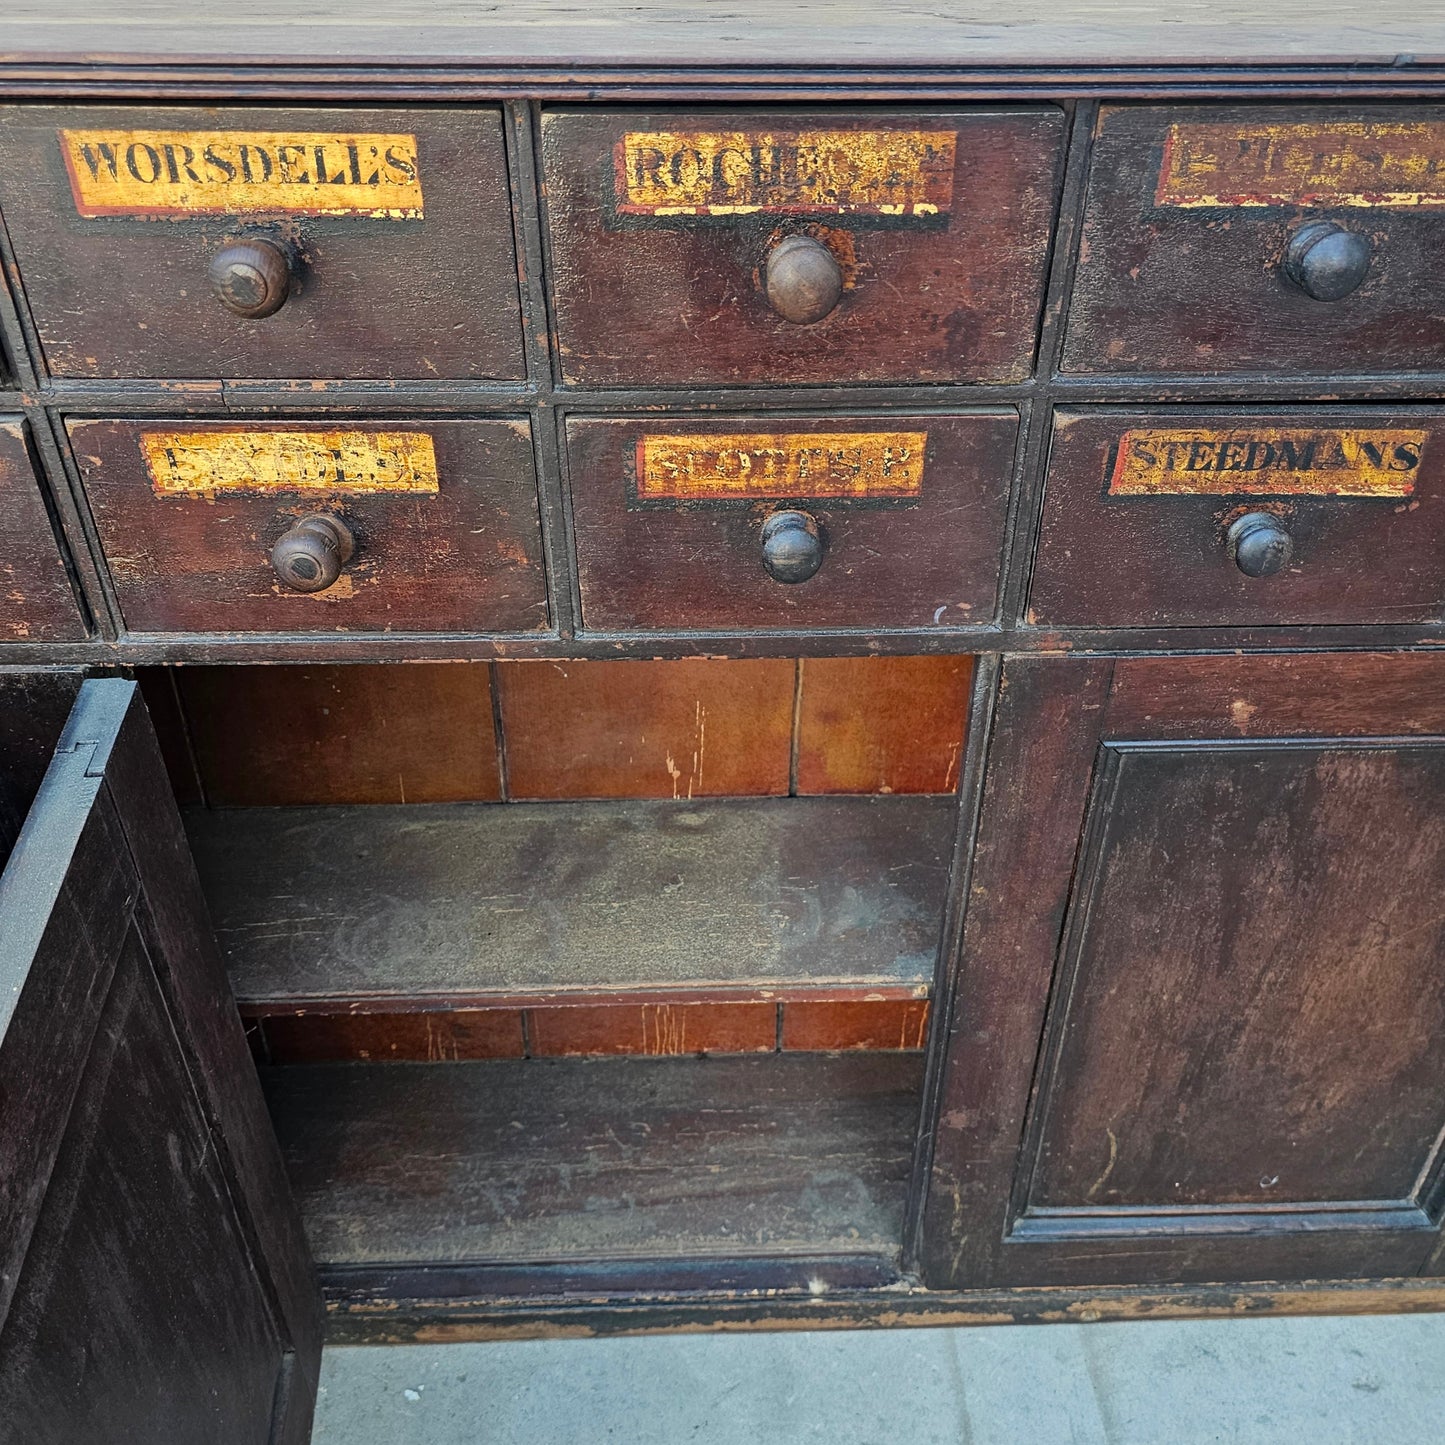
<point>493,903</point>
<point>881,724</point>
<point>432,1036</point>
<point>299,735</point>
<point>656,1030</point>
<point>860,1024</point>
<point>607,1158</point>
<point>692,728</point>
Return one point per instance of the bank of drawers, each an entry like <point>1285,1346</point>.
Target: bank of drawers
<point>769,248</point>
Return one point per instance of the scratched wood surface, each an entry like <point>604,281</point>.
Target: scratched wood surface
<point>599,1159</point>
<point>1356,559</point>
<point>433,297</point>
<point>37,603</point>
<point>465,556</point>
<point>751,31</point>
<point>523,899</point>
<point>1201,291</point>
<point>671,300</point>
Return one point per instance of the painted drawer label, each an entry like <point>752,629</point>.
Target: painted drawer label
<point>1268,462</point>
<point>204,463</point>
<point>173,173</point>
<point>768,464</point>
<point>1336,164</point>
<point>815,172</point>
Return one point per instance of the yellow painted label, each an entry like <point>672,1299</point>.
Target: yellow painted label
<point>812,464</point>
<point>1267,462</point>
<point>170,173</point>
<point>203,463</point>
<point>814,172</point>
<point>1337,164</point>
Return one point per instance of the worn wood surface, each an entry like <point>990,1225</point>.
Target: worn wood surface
<point>640,1158</point>
<point>298,735</point>
<point>691,728</point>
<point>1263,907</point>
<point>155,1280</point>
<point>531,899</point>
<point>672,300</point>
<point>1200,291</point>
<point>811,32</point>
<point>1144,561</point>
<point>914,562</point>
<point>37,602</point>
<point>466,556</point>
<point>377,297</point>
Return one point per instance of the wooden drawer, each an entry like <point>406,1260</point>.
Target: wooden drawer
<point>399,264</point>
<point>1139,508</point>
<point>200,519</point>
<point>665,233</point>
<point>1215,236</point>
<point>37,602</point>
<point>674,516</point>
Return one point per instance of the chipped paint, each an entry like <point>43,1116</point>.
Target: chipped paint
<point>1341,163</point>
<point>341,463</point>
<point>1267,462</point>
<point>162,174</point>
<point>740,466</point>
<point>815,172</point>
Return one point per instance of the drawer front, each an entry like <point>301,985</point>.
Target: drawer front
<point>37,602</point>
<point>386,235</point>
<point>221,527</point>
<point>1300,239</point>
<point>878,522</point>
<point>1151,518</point>
<point>914,244</point>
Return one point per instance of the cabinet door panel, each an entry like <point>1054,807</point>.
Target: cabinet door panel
<point>1213,1009</point>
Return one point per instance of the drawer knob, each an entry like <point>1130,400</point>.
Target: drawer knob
<point>804,281</point>
<point>1260,544</point>
<point>1326,261</point>
<point>309,558</point>
<point>793,546</point>
<point>251,278</point>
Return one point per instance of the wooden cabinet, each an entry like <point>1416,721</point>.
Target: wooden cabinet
<point>155,1280</point>
<point>1200,1016</point>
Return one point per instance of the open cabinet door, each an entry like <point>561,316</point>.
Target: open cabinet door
<point>154,1280</point>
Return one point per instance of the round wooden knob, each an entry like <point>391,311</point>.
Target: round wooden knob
<point>1260,544</point>
<point>793,546</point>
<point>309,558</point>
<point>251,278</point>
<point>804,281</point>
<point>1326,261</point>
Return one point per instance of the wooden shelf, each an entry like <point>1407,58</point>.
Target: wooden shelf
<point>599,1159</point>
<point>462,904</point>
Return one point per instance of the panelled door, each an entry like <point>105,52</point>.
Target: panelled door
<point>154,1282</point>
<point>1199,1028</point>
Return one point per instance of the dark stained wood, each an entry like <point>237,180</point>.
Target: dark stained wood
<point>119,296</point>
<point>690,728</point>
<point>914,562</point>
<point>430,1036</point>
<point>1200,291</point>
<point>501,902</point>
<point>860,1024</point>
<point>882,724</point>
<point>1156,561</point>
<point>33,709</point>
<point>300,735</point>
<point>608,1158</point>
<point>155,1280</point>
<point>675,300</point>
<point>467,557</point>
<point>37,602</point>
<point>1235,1073</point>
<point>656,1030</point>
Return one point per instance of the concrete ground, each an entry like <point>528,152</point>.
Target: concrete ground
<point>1260,1381</point>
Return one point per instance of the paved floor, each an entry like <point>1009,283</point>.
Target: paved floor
<point>1364,1381</point>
